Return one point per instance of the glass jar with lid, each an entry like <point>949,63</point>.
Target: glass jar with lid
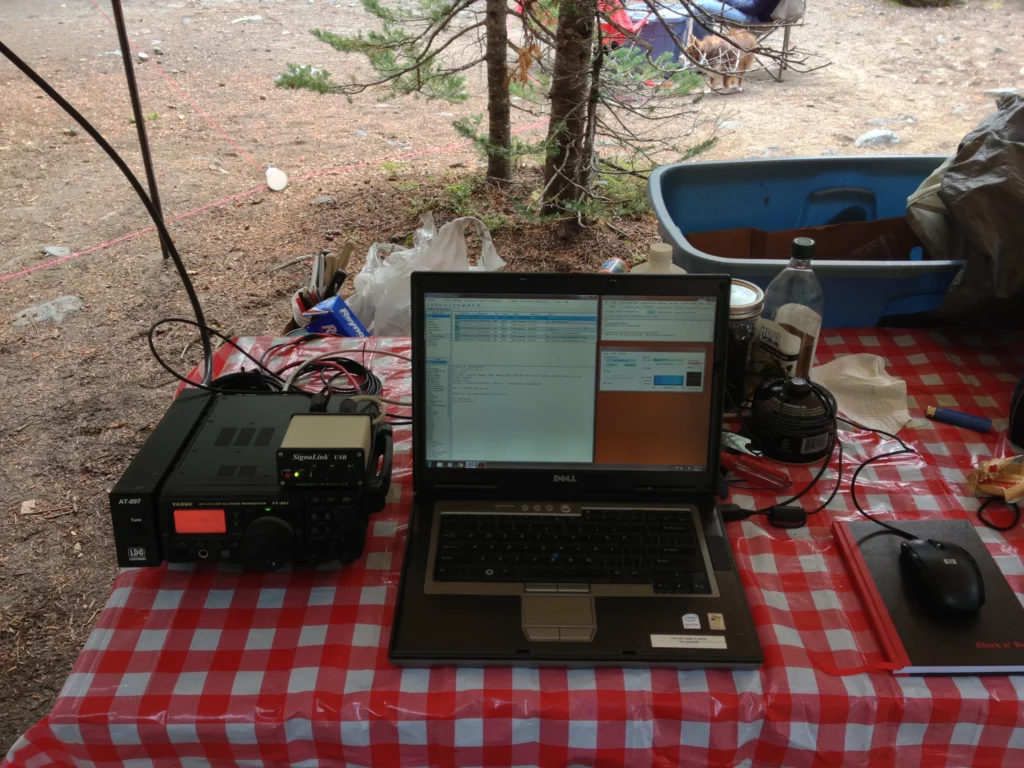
<point>745,304</point>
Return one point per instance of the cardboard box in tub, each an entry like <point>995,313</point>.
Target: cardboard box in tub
<point>880,240</point>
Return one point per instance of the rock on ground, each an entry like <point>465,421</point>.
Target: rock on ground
<point>878,138</point>
<point>49,311</point>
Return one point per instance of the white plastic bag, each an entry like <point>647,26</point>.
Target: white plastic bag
<point>789,11</point>
<point>382,299</point>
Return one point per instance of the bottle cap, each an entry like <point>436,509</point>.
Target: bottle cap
<point>660,252</point>
<point>803,248</point>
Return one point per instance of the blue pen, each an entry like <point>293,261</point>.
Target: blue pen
<point>960,419</point>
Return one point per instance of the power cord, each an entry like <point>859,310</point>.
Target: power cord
<point>165,236</point>
<point>384,352</point>
<point>839,479</point>
<point>274,349</point>
<point>904,448</point>
<point>994,526</point>
<point>221,384</point>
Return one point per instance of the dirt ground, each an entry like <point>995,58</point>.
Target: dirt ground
<point>79,399</point>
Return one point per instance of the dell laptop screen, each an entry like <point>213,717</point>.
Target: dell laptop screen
<point>568,381</point>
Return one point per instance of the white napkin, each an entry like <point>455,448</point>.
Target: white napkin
<point>865,392</point>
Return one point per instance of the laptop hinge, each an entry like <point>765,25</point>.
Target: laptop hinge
<point>663,489</point>
<point>463,487</point>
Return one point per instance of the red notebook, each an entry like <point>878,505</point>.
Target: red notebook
<point>913,637</point>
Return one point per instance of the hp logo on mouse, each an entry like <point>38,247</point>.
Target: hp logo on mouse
<point>949,561</point>
<point>565,478</point>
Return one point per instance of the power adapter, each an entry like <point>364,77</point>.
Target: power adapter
<point>778,516</point>
<point>787,517</point>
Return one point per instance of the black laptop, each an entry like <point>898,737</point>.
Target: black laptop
<point>565,459</point>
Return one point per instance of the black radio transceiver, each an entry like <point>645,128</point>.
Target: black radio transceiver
<point>206,485</point>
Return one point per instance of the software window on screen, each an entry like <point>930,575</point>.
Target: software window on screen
<point>565,380</point>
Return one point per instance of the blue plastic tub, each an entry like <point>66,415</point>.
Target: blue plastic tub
<point>789,193</point>
<point>654,31</point>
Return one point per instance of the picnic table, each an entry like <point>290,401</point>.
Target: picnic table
<point>207,665</point>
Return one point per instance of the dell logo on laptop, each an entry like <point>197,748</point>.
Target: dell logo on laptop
<point>565,478</point>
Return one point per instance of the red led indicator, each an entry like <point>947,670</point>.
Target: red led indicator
<point>200,521</point>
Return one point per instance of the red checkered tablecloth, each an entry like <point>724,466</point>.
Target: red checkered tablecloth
<point>202,666</point>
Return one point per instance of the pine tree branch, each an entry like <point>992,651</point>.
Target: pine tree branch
<point>537,28</point>
<point>417,66</point>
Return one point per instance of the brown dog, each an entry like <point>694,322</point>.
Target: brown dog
<point>724,60</point>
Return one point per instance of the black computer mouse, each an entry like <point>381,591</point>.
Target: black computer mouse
<point>943,575</point>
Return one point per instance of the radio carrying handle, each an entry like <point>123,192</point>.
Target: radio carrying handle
<point>380,483</point>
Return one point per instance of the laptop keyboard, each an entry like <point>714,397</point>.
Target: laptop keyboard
<point>656,547</point>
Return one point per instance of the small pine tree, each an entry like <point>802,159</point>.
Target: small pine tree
<point>407,56</point>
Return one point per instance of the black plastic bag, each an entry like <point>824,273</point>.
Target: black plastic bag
<point>978,217</point>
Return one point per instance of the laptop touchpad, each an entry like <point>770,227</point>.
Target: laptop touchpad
<point>568,618</point>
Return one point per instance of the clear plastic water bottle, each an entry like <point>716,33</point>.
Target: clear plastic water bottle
<point>790,324</point>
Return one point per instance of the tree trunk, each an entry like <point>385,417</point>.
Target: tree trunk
<point>499,119</point>
<point>567,170</point>
<point>593,101</point>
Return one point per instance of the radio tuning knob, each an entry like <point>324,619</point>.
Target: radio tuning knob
<point>267,543</point>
